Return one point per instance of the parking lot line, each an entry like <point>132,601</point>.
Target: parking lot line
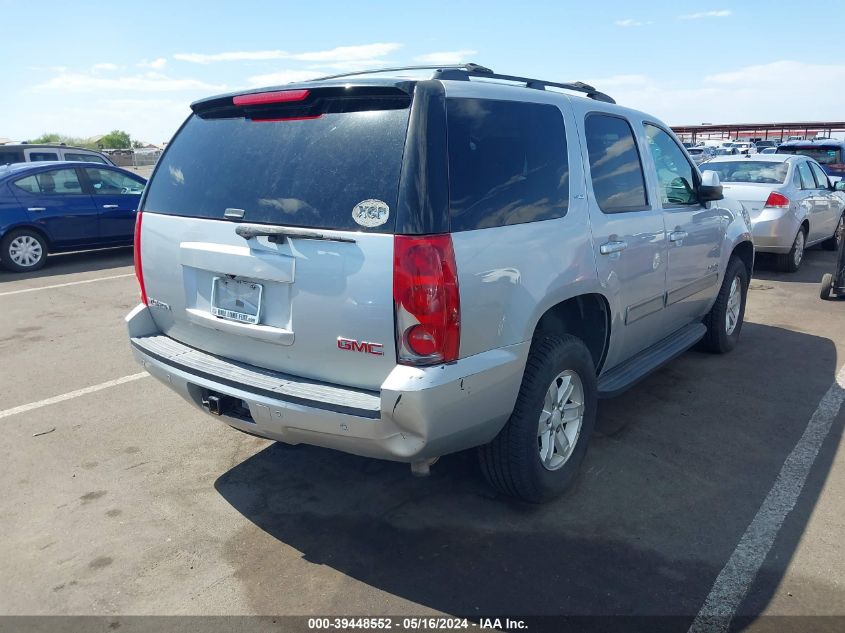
<point>739,572</point>
<point>71,394</point>
<point>70,283</point>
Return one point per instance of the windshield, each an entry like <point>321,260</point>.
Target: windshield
<point>310,172</point>
<point>753,171</point>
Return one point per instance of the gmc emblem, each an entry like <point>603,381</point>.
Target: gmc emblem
<point>350,345</point>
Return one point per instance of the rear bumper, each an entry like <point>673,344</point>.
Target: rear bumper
<point>774,230</point>
<point>418,413</point>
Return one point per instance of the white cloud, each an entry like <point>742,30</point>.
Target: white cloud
<point>153,82</point>
<point>233,56</point>
<point>104,67</point>
<point>734,96</point>
<point>349,53</point>
<point>628,22</point>
<point>156,64</point>
<point>282,77</point>
<point>339,54</point>
<point>721,13</point>
<point>352,65</point>
<point>446,57</point>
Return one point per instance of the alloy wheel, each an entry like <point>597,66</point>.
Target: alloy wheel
<point>560,420</point>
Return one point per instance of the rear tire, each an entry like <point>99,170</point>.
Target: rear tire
<point>838,235</point>
<point>826,286</point>
<point>537,454</point>
<point>724,321</point>
<point>23,250</point>
<point>791,262</point>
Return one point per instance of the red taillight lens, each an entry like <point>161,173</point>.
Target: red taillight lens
<point>777,201</point>
<point>266,98</point>
<point>425,292</point>
<point>139,270</point>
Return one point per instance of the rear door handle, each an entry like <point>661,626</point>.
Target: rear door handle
<point>111,206</point>
<point>608,248</point>
<point>36,208</point>
<point>678,236</point>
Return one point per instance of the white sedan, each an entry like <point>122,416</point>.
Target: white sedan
<point>791,202</point>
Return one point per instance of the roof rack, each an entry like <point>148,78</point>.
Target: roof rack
<point>463,72</point>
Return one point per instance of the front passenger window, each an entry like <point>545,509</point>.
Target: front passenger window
<point>821,178</point>
<point>675,175</point>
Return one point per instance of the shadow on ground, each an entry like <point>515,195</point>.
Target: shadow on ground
<point>76,262</point>
<point>816,263</point>
<point>680,466</point>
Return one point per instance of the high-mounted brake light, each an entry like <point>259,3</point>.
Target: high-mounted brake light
<point>266,98</point>
<point>136,252</point>
<point>425,293</point>
<point>777,201</point>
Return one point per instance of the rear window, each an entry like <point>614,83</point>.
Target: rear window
<point>824,155</point>
<point>749,171</point>
<point>507,163</point>
<point>85,158</point>
<point>305,173</point>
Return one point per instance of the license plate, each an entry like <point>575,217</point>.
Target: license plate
<point>236,300</point>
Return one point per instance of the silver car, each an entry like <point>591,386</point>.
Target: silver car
<point>701,153</point>
<point>791,202</point>
<point>323,263</point>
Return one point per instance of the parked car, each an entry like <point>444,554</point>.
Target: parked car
<point>49,207</point>
<point>745,147</point>
<point>701,153</point>
<point>29,153</point>
<point>791,202</point>
<point>321,263</point>
<point>827,152</point>
<point>769,150</point>
<point>763,144</point>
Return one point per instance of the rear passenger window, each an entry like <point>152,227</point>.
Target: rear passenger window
<point>807,181</point>
<point>40,156</point>
<point>615,166</point>
<point>507,163</point>
<point>85,158</point>
<point>56,181</point>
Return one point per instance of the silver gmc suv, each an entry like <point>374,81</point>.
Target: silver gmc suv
<point>407,263</point>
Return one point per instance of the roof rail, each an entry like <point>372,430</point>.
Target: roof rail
<point>463,72</point>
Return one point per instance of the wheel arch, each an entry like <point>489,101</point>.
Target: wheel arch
<point>34,229</point>
<point>585,316</point>
<point>745,252</point>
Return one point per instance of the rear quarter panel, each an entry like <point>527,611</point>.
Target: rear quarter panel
<point>12,213</point>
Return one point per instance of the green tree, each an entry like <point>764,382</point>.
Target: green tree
<point>116,139</point>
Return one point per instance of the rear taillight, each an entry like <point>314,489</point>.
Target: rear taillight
<point>139,270</point>
<point>777,201</point>
<point>425,293</point>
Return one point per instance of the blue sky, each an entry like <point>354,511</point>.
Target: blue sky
<point>89,67</point>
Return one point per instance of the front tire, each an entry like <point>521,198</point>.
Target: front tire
<point>537,454</point>
<point>23,250</point>
<point>838,235</point>
<point>791,262</point>
<point>724,321</point>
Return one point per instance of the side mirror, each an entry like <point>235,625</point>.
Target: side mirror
<point>840,185</point>
<point>710,188</point>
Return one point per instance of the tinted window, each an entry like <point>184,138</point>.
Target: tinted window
<point>615,166</point>
<point>749,171</point>
<point>85,158</point>
<point>507,163</point>
<point>56,181</point>
<point>308,173</point>
<point>824,155</point>
<point>39,156</point>
<point>821,179</point>
<point>675,175</point>
<point>108,182</point>
<point>807,181</point>
<point>11,156</point>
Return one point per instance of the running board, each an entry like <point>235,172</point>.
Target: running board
<point>638,367</point>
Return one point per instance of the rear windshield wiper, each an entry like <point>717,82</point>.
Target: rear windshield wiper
<point>277,233</point>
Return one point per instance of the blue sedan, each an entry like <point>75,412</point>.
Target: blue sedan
<point>49,207</point>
